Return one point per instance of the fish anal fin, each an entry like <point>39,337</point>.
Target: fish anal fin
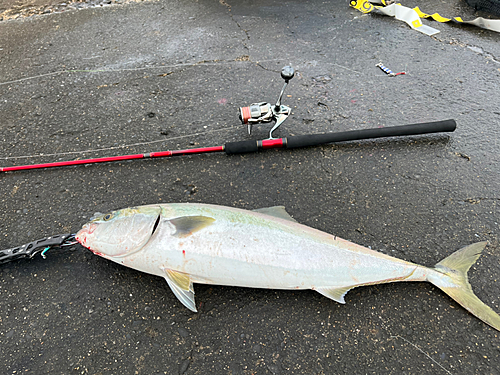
<point>276,211</point>
<point>335,293</point>
<point>187,225</point>
<point>182,286</point>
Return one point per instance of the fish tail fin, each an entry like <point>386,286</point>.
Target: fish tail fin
<point>452,279</point>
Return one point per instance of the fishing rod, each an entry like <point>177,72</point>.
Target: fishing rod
<point>254,146</point>
<point>263,112</point>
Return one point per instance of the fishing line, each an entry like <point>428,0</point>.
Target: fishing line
<point>118,147</point>
<point>202,62</point>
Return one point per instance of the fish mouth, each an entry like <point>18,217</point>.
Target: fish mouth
<point>81,237</point>
<point>82,234</point>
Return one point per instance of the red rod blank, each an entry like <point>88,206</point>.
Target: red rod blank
<point>158,154</point>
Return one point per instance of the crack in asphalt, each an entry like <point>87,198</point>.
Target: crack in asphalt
<point>477,49</point>
<point>480,51</point>
<point>228,6</point>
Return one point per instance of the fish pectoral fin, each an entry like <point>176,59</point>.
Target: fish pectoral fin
<point>335,293</point>
<point>182,286</point>
<point>276,211</point>
<point>187,225</point>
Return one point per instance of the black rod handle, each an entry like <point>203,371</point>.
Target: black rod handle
<point>354,135</point>
<point>243,147</point>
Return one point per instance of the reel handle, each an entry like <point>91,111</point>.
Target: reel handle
<point>287,73</point>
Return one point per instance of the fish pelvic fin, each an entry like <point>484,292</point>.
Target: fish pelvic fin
<point>452,279</point>
<point>182,286</point>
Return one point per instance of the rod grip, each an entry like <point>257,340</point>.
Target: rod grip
<point>354,135</point>
<point>241,147</point>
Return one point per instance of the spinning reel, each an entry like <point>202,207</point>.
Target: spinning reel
<point>263,112</point>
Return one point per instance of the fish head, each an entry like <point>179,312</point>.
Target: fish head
<point>120,233</point>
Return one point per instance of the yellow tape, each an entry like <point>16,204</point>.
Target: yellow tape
<point>398,11</point>
<point>416,23</point>
<point>435,16</point>
<point>363,6</point>
<point>413,20</point>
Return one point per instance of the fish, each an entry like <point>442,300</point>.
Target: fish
<point>188,243</point>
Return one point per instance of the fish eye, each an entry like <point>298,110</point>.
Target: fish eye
<point>107,217</point>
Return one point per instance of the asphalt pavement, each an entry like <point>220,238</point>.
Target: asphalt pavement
<point>167,74</point>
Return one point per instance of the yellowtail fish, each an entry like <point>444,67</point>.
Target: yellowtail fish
<point>198,243</point>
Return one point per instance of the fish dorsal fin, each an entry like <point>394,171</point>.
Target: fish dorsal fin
<point>337,294</point>
<point>187,225</point>
<point>276,211</point>
<point>182,286</point>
